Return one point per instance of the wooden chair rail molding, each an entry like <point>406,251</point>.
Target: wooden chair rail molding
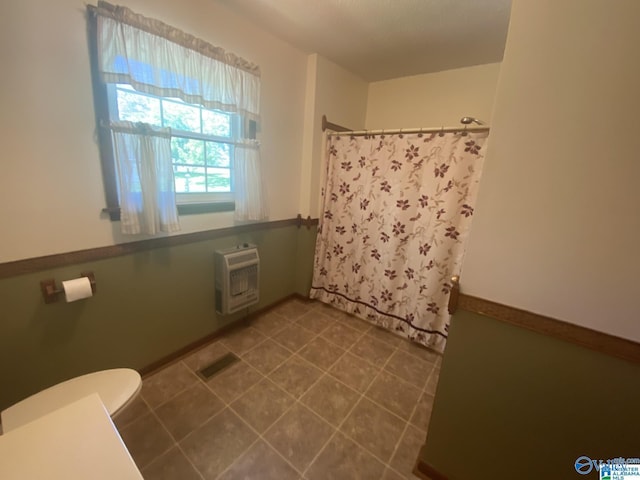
<point>30,265</point>
<point>569,332</point>
<point>307,222</point>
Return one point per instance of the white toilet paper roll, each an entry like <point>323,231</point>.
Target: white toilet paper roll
<point>77,289</point>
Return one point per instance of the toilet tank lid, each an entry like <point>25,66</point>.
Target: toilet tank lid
<point>116,388</point>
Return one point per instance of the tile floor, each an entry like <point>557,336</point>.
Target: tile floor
<point>317,394</point>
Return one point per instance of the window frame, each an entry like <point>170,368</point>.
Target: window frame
<point>235,134</point>
<point>105,145</point>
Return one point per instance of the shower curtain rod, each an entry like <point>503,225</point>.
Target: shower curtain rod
<point>340,130</point>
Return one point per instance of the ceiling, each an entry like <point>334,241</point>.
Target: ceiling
<point>382,39</point>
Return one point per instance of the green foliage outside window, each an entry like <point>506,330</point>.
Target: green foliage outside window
<point>201,159</point>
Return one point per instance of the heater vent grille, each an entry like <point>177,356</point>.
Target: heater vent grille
<point>217,366</point>
<point>242,258</point>
<point>237,273</point>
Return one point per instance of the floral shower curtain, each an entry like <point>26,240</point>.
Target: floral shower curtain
<point>396,213</point>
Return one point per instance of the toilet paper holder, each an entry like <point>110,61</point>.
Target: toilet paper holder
<point>50,292</point>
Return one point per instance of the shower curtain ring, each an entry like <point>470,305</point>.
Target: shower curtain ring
<point>464,132</point>
<point>441,131</point>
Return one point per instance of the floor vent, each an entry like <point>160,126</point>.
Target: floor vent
<point>219,365</point>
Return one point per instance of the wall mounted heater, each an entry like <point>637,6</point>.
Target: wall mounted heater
<point>237,274</point>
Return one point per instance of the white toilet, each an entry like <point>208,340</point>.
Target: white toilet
<point>116,388</point>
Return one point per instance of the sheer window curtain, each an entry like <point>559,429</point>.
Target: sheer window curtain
<point>145,178</point>
<point>249,187</point>
<point>161,60</point>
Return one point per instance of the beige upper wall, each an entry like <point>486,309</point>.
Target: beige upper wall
<point>51,190</point>
<point>557,226</point>
<point>433,99</point>
<point>342,97</point>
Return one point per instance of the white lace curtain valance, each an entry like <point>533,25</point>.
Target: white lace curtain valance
<point>161,60</point>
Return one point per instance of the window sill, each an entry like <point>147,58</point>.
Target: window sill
<point>197,208</point>
<point>184,209</point>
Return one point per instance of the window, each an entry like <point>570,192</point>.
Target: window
<point>202,140</point>
<point>176,120</point>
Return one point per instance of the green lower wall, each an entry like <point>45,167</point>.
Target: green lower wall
<point>304,262</point>
<point>511,403</point>
<point>147,306</point>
